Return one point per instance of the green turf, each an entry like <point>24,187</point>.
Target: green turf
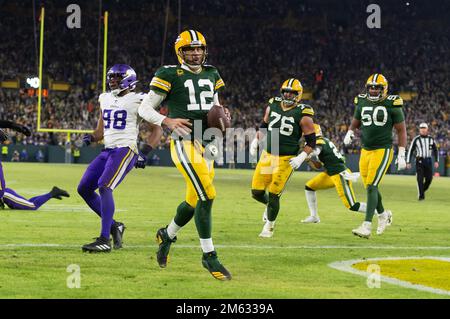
<point>292,264</point>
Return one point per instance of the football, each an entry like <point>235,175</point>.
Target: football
<point>218,118</point>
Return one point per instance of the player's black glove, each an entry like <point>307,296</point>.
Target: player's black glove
<point>87,139</point>
<point>141,161</point>
<point>3,136</point>
<point>21,129</point>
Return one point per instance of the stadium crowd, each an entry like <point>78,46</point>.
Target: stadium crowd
<point>254,47</point>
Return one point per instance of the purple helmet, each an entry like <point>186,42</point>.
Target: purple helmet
<point>127,74</point>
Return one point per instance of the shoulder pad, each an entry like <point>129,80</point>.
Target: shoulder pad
<point>276,98</point>
<point>168,66</point>
<point>320,141</point>
<point>306,109</point>
<point>209,66</point>
<point>362,95</point>
<point>396,100</point>
<point>271,101</point>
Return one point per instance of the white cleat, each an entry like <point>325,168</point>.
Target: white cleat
<point>364,230</point>
<point>264,216</point>
<point>311,220</point>
<point>384,220</point>
<point>267,231</point>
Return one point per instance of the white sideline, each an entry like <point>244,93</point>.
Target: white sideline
<point>346,266</point>
<point>51,245</point>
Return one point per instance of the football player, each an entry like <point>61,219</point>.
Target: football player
<point>376,113</point>
<point>285,119</point>
<point>3,137</point>
<point>189,89</point>
<point>15,201</point>
<point>336,174</point>
<point>119,127</point>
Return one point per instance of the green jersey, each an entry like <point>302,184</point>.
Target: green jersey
<point>188,95</point>
<point>377,120</point>
<point>332,160</point>
<point>286,125</point>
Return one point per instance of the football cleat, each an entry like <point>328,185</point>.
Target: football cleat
<point>212,263</point>
<point>267,231</point>
<point>57,193</point>
<point>164,241</point>
<point>384,220</point>
<point>117,230</point>
<point>311,220</point>
<point>100,245</point>
<point>364,230</point>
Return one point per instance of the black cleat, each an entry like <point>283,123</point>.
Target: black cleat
<point>57,193</point>
<point>100,245</point>
<point>212,263</point>
<point>117,230</point>
<point>164,241</point>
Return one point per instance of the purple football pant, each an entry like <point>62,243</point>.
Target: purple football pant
<point>105,172</point>
<point>2,181</point>
<point>15,201</point>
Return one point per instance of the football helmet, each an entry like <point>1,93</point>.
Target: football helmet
<point>293,86</point>
<point>379,81</point>
<point>127,77</point>
<point>192,39</point>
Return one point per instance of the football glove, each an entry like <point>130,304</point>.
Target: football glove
<point>21,129</point>
<point>87,139</point>
<point>401,161</point>
<point>254,147</point>
<point>141,161</point>
<point>3,136</point>
<point>297,161</point>
<point>349,137</point>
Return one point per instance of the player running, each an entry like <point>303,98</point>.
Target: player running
<point>285,119</point>
<point>336,174</point>
<point>376,113</point>
<point>119,127</point>
<point>189,89</point>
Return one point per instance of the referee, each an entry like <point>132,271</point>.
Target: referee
<point>424,146</point>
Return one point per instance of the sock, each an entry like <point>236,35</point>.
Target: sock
<point>173,229</point>
<point>359,207</point>
<point>372,201</point>
<point>185,212</point>
<point>273,207</point>
<point>312,202</point>
<point>203,218</point>
<point>260,196</point>
<point>207,245</point>
<point>380,207</point>
<point>107,203</point>
<point>38,201</point>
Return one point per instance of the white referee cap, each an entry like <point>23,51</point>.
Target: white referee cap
<point>423,125</point>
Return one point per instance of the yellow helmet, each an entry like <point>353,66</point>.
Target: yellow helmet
<point>378,80</point>
<point>318,130</point>
<point>292,85</point>
<point>190,38</point>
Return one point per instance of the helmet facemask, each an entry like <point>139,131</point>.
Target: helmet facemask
<point>193,60</point>
<point>292,99</point>
<point>378,96</point>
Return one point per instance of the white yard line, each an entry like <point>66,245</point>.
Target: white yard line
<point>346,266</point>
<point>51,245</point>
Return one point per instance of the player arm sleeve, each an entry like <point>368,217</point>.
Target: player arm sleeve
<point>411,150</point>
<point>6,124</point>
<point>147,108</point>
<point>435,151</point>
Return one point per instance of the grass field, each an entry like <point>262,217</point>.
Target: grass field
<point>37,247</point>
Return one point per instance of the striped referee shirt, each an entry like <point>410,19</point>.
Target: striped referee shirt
<point>424,146</point>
